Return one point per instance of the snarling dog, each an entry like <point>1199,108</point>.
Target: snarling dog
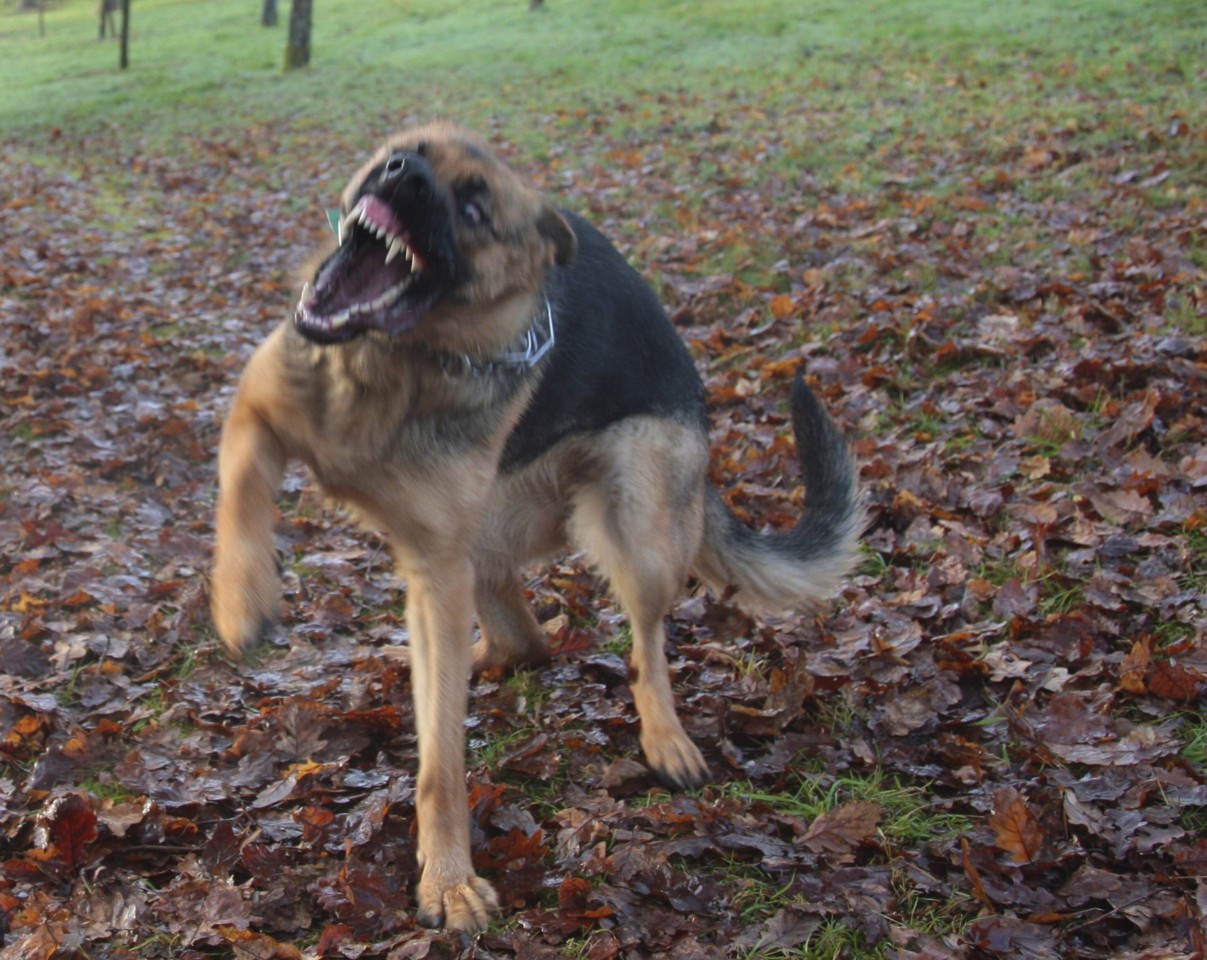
<point>479,375</point>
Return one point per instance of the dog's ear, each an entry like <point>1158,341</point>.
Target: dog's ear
<point>559,234</point>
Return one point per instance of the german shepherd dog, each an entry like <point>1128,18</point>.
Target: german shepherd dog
<point>479,375</point>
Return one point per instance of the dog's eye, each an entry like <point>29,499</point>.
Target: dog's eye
<point>472,213</point>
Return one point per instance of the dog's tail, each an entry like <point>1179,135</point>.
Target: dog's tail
<point>804,565</point>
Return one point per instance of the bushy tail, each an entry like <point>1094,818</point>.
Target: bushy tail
<point>802,566</point>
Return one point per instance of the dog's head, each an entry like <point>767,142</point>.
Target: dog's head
<point>431,225</point>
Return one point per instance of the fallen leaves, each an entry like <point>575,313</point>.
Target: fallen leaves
<point>1025,648</point>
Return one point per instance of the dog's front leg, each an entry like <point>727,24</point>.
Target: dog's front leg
<point>246,586</point>
<point>439,607</point>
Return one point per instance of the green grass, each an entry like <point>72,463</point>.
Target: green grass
<point>908,815</point>
<point>873,74</point>
<point>834,938</point>
<point>105,789</point>
<point>531,693</point>
<point>1194,739</point>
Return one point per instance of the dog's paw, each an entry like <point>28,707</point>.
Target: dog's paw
<point>240,641</point>
<point>488,656</point>
<point>675,760</point>
<point>464,905</point>
<point>244,600</point>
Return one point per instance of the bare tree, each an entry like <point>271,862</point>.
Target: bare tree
<point>106,14</point>
<point>125,58</point>
<point>268,16</point>
<point>297,47</point>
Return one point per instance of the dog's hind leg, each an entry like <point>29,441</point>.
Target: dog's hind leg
<point>511,636</point>
<point>525,520</point>
<point>642,522</point>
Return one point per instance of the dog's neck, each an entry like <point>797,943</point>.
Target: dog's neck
<point>518,357</point>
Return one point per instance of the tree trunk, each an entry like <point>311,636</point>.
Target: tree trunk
<point>125,60</point>
<point>297,49</point>
<point>268,17</point>
<point>106,13</point>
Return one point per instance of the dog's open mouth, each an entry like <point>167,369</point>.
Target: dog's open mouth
<point>378,279</point>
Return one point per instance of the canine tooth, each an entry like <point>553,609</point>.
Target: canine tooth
<point>395,246</point>
<point>340,319</point>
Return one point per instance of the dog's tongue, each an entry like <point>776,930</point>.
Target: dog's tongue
<point>373,212</point>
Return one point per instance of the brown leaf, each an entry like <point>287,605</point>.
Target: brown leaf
<point>1016,828</point>
<point>973,874</point>
<point>1122,506</point>
<point>1134,666</point>
<point>248,945</point>
<point>921,706</point>
<point>1173,681</point>
<point>625,777</point>
<point>1012,938</point>
<point>842,829</point>
<point>1013,599</point>
<point>72,828</point>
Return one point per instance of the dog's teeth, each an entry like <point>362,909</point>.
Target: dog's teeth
<point>340,319</point>
<point>395,246</point>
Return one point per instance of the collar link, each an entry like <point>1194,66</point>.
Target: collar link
<point>524,353</point>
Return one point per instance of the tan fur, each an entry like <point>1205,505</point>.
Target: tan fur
<point>366,417</point>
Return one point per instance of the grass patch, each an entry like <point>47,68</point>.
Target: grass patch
<point>833,938</point>
<point>876,78</point>
<point>909,814</point>
<point>1194,739</point>
<point>531,694</point>
<point>106,789</point>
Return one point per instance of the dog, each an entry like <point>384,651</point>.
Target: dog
<point>480,375</point>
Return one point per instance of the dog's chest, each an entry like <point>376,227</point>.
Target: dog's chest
<point>364,433</point>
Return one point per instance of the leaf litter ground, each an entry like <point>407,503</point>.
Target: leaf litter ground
<point>991,746</point>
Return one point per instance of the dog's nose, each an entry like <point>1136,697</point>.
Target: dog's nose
<point>408,172</point>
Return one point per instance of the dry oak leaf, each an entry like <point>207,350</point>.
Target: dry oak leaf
<point>248,945</point>
<point>1143,744</point>
<point>842,829</point>
<point>1173,681</point>
<point>1015,826</point>
<point>41,943</point>
<point>1134,666</point>
<point>70,828</point>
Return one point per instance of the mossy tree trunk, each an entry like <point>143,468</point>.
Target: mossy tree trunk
<point>297,48</point>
